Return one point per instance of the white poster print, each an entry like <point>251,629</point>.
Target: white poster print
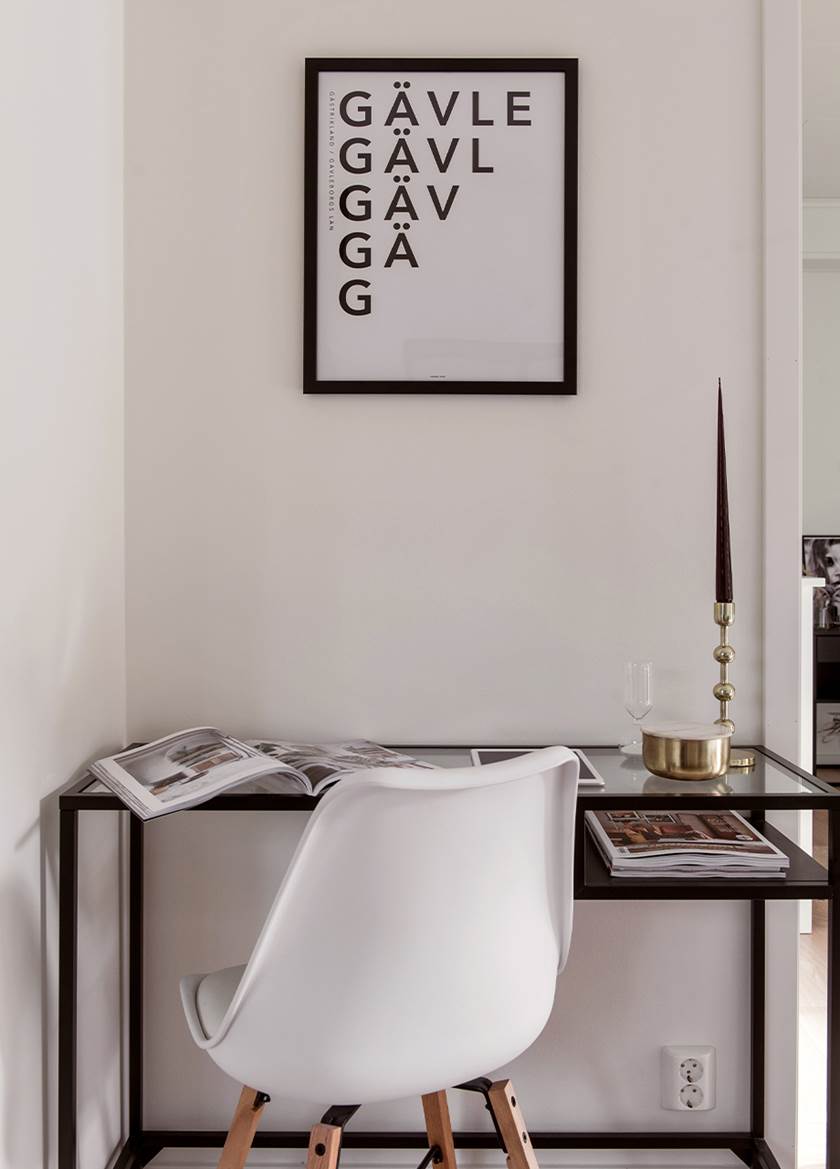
<point>440,226</point>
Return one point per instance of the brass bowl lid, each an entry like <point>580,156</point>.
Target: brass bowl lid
<point>688,732</point>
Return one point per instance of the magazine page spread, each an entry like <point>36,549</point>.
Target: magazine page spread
<point>644,843</point>
<point>192,766</point>
<point>180,770</point>
<point>317,765</point>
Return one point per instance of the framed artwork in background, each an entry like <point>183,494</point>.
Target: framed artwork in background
<point>821,558</point>
<point>441,226</point>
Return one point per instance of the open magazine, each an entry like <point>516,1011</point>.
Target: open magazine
<point>192,766</point>
<point>688,844</point>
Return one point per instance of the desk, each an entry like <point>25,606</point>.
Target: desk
<point>774,785</point>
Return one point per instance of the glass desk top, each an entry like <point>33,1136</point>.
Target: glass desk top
<point>773,783</point>
<point>627,776</point>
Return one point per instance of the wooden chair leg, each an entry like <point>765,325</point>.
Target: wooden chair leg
<point>439,1127</point>
<point>324,1147</point>
<point>242,1129</point>
<point>505,1106</point>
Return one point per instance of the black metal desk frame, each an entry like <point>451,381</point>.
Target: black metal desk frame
<point>806,880</point>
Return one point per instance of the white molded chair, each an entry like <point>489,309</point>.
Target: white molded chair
<point>414,944</point>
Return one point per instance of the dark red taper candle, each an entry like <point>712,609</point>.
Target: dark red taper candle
<point>723,559</point>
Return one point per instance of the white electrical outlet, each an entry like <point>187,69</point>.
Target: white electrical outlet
<point>688,1078</point>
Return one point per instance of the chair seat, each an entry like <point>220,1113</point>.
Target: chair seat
<point>213,995</point>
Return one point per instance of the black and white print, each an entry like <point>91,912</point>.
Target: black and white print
<point>821,558</point>
<point>441,224</point>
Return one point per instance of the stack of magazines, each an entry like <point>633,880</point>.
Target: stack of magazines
<point>684,844</point>
<point>192,766</point>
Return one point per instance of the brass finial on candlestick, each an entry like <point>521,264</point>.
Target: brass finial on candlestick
<point>724,691</point>
<point>724,654</point>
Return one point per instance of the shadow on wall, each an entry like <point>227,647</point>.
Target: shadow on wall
<point>21,1060</point>
<point>98,1019</point>
<point>29,1004</point>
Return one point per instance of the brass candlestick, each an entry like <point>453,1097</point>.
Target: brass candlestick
<point>724,691</point>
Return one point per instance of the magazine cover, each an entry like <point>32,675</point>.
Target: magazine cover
<point>649,839</point>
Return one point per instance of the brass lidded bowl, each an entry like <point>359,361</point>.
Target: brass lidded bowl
<point>691,751</point>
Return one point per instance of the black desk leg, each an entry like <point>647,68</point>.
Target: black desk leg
<point>135,977</point>
<point>758,1004</point>
<point>832,1157</point>
<point>580,854</point>
<point>68,910</point>
<point>758,964</point>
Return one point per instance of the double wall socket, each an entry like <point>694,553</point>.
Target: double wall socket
<point>688,1078</point>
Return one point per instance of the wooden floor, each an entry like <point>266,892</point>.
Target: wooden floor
<point>812,1015</point>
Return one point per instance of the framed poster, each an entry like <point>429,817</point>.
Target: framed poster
<point>441,226</point>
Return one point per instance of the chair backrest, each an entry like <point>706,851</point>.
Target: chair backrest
<point>416,938</point>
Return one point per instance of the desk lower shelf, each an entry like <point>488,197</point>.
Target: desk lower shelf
<point>144,1146</point>
<point>806,880</point>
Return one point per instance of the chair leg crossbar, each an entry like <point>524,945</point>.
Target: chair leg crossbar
<point>325,1138</point>
<point>434,1154</point>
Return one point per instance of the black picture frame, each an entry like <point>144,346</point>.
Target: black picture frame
<point>566,384</point>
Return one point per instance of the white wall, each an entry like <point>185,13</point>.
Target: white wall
<point>61,500</point>
<point>441,569</point>
<point>447,566</point>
